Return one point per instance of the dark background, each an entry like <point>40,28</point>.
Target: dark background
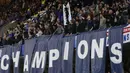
<point>5,2</point>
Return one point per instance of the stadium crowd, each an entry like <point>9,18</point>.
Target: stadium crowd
<point>18,11</point>
<point>48,19</point>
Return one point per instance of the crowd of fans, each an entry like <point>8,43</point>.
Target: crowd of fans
<point>50,19</point>
<point>18,10</point>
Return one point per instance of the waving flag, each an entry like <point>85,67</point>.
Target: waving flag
<point>67,13</point>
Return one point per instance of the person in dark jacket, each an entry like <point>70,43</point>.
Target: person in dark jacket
<point>1,41</point>
<point>89,23</point>
<point>129,20</point>
<point>96,23</point>
<point>81,26</point>
<point>110,19</point>
<point>11,38</point>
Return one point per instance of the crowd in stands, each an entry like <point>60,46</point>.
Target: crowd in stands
<point>49,19</point>
<point>18,11</point>
<point>38,19</point>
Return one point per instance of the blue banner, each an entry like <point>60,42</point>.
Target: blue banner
<point>98,51</point>
<point>83,53</point>
<point>28,53</point>
<point>115,49</point>
<point>67,54</point>
<point>16,57</point>
<point>55,54</point>
<point>6,59</point>
<point>40,54</point>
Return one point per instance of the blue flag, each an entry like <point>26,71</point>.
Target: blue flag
<point>83,53</point>
<point>115,49</point>
<point>39,58</point>
<point>55,55</point>
<point>6,59</point>
<point>16,57</point>
<point>67,54</point>
<point>28,53</point>
<point>98,51</point>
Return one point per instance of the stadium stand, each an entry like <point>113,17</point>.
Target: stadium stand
<point>46,18</point>
<point>49,19</point>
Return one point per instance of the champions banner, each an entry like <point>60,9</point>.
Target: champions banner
<point>98,51</point>
<point>28,53</point>
<point>67,54</point>
<point>55,54</point>
<point>83,53</point>
<point>40,53</point>
<point>16,57</point>
<point>115,49</point>
<point>6,59</point>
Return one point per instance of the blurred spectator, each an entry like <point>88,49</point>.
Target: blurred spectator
<point>129,20</point>
<point>1,41</point>
<point>102,21</point>
<point>39,32</point>
<point>59,29</point>
<point>110,19</point>
<point>90,23</point>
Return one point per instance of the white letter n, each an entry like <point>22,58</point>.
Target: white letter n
<point>97,49</point>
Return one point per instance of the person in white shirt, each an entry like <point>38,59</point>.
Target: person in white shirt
<point>39,33</point>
